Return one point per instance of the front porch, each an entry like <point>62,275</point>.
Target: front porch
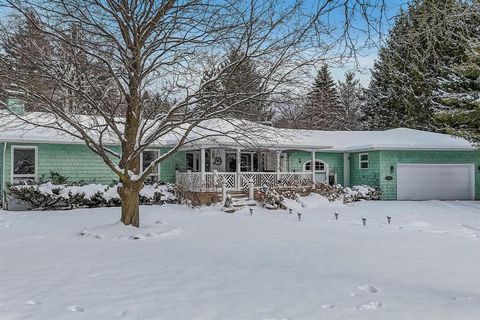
<point>208,169</point>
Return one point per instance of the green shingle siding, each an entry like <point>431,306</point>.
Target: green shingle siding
<point>296,160</point>
<point>76,162</point>
<point>392,158</point>
<point>368,176</point>
<point>170,165</point>
<point>79,163</point>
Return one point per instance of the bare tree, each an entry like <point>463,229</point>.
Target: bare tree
<point>128,47</point>
<point>290,113</point>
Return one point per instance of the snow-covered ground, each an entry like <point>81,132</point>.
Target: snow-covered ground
<point>206,264</point>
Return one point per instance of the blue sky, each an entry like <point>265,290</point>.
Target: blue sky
<point>366,57</point>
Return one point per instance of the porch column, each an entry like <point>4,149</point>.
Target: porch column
<point>202,164</point>
<point>238,168</point>
<point>279,153</point>
<point>312,165</point>
<point>346,169</point>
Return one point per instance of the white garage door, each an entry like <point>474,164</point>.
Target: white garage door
<point>435,181</point>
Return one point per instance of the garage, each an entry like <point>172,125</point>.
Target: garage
<point>435,182</point>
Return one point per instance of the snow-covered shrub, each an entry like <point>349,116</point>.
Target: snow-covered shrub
<point>331,192</point>
<point>228,201</point>
<point>54,177</point>
<point>270,199</point>
<point>363,192</point>
<point>274,198</point>
<point>50,196</point>
<point>290,194</point>
<point>194,198</point>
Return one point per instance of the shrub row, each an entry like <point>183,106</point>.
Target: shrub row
<point>274,198</point>
<point>55,194</point>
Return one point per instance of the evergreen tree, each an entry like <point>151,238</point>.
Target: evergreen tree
<point>458,96</point>
<point>239,86</point>
<point>212,91</point>
<point>324,110</point>
<point>69,62</point>
<point>350,94</point>
<point>425,39</point>
<point>28,38</point>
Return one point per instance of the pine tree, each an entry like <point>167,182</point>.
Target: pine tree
<point>398,92</point>
<point>70,62</point>
<point>458,96</point>
<point>239,87</point>
<point>350,94</point>
<point>324,110</point>
<point>406,75</point>
<point>26,37</point>
<point>212,91</point>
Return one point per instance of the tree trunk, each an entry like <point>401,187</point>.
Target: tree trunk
<point>129,195</point>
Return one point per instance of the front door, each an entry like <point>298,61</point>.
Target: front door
<point>320,176</point>
<point>320,170</point>
<point>230,161</point>
<point>193,161</point>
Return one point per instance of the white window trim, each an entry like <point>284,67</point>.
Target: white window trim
<point>157,174</point>
<point>12,151</point>
<point>325,166</point>
<point>360,161</point>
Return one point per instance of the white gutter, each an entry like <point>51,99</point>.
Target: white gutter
<point>276,147</point>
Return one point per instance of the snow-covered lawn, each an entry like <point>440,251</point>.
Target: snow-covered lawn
<point>205,264</point>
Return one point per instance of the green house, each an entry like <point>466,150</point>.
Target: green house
<point>404,164</point>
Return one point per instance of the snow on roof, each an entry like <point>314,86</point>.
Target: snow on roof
<point>234,133</point>
<point>400,138</point>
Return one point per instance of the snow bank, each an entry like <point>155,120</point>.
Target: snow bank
<point>424,265</point>
<point>120,231</point>
<point>314,200</point>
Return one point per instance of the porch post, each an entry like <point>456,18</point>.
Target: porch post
<point>346,169</point>
<point>312,165</point>
<point>238,167</point>
<point>202,165</point>
<point>278,166</point>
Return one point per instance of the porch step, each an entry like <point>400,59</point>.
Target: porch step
<point>239,200</point>
<point>238,196</point>
<point>243,203</point>
<point>234,194</point>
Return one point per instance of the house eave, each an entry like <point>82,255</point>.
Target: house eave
<point>406,148</point>
<point>276,147</point>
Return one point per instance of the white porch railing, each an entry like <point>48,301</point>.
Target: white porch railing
<point>296,178</point>
<point>213,181</point>
<point>259,179</point>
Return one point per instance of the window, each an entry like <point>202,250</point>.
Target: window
<point>246,162</point>
<point>24,164</point>
<point>363,158</point>
<point>148,156</point>
<point>319,166</point>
